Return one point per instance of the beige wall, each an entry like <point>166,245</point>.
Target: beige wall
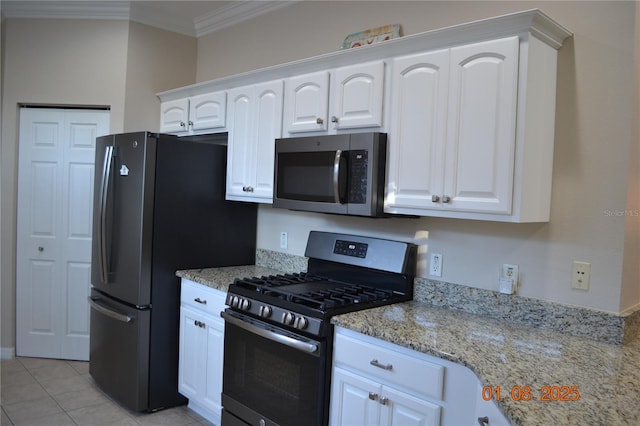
<point>594,136</point>
<point>79,62</point>
<point>157,60</point>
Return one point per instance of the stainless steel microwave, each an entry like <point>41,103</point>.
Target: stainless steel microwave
<point>342,174</point>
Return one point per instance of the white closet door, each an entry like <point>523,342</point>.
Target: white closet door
<point>55,197</point>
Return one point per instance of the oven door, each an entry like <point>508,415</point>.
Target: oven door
<point>272,376</point>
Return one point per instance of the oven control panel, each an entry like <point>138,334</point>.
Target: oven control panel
<point>350,248</point>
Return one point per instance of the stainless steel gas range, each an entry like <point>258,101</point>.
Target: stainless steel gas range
<point>278,335</point>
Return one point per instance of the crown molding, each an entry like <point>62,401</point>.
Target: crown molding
<point>222,17</point>
<point>236,13</point>
<point>118,10</point>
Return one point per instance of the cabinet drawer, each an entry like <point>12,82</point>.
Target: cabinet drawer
<point>394,367</point>
<point>202,297</point>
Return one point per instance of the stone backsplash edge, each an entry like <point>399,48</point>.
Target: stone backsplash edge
<point>573,320</point>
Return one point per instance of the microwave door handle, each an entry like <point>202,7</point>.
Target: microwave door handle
<point>336,176</point>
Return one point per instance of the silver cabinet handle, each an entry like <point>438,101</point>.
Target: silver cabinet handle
<point>319,120</point>
<point>198,300</point>
<point>190,123</point>
<point>446,198</point>
<point>40,249</point>
<point>182,124</point>
<point>93,301</point>
<point>373,396</point>
<point>200,324</point>
<point>483,421</point>
<point>247,188</point>
<point>383,400</point>
<point>435,198</point>
<point>334,119</point>
<point>376,363</point>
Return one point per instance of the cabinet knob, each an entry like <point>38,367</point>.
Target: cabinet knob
<point>373,396</point>
<point>483,421</point>
<point>182,124</point>
<point>199,324</point>
<point>383,400</point>
<point>319,120</point>
<point>446,198</point>
<point>190,123</point>
<point>334,119</point>
<point>40,249</point>
<point>247,188</point>
<point>435,198</point>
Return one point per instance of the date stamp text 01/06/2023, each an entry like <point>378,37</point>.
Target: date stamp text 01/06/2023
<point>527,393</point>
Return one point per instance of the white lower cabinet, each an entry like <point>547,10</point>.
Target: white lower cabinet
<point>379,383</point>
<point>201,349</point>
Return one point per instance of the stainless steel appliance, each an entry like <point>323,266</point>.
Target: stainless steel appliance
<point>158,207</point>
<point>342,174</point>
<point>278,335</point>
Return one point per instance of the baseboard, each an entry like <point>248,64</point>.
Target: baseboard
<point>7,353</point>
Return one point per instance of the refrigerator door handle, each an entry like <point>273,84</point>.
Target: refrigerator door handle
<point>93,301</point>
<point>104,191</point>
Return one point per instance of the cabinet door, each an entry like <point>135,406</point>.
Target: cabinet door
<point>208,111</point>
<point>267,128</point>
<point>403,409</point>
<point>417,130</point>
<point>306,103</point>
<point>353,400</point>
<point>192,353</point>
<point>174,116</point>
<point>212,390</point>
<point>357,96</point>
<point>255,121</point>
<point>481,126</point>
<point>240,142</point>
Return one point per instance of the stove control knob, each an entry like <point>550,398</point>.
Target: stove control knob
<point>301,323</point>
<point>265,311</point>
<point>244,304</point>
<point>233,301</point>
<point>288,318</point>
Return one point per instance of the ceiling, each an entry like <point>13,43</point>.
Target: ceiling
<point>194,18</point>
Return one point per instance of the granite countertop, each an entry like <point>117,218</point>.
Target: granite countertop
<point>220,278</point>
<point>500,353</point>
<point>507,355</point>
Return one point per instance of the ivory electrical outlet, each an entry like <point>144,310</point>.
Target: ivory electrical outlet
<point>580,275</point>
<point>435,266</point>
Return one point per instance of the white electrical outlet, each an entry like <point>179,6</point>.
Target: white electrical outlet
<point>580,275</point>
<point>284,241</point>
<point>508,279</point>
<point>435,266</point>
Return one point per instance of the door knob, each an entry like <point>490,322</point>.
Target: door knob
<point>40,249</point>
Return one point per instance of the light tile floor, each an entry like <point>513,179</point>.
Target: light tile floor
<point>36,391</point>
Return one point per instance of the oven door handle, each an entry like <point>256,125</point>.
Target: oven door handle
<point>276,337</point>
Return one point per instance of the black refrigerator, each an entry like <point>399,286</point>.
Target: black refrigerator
<point>159,206</point>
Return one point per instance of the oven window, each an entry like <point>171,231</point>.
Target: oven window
<point>309,176</point>
<point>280,383</point>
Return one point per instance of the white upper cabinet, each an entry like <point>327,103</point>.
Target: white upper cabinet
<point>357,96</point>
<point>481,127</point>
<point>417,130</point>
<point>345,98</point>
<point>255,122</point>
<point>306,103</point>
<point>195,114</point>
<point>471,133</point>
<point>469,113</point>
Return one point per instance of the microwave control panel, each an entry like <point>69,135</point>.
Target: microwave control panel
<point>358,164</point>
